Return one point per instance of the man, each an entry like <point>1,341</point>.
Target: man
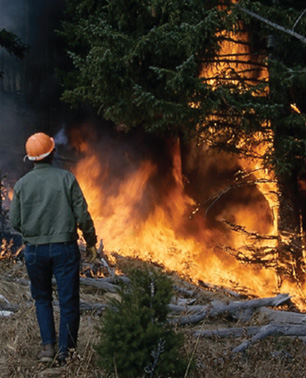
<point>47,209</point>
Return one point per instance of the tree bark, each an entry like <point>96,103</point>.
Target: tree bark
<point>290,241</point>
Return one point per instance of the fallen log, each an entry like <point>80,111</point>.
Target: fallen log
<point>96,308</point>
<point>6,306</point>
<point>9,307</point>
<point>191,309</point>
<point>233,308</point>
<point>272,330</point>
<point>268,315</point>
<point>221,290</point>
<point>184,291</point>
<point>227,332</point>
<point>257,333</point>
<point>6,314</point>
<point>99,284</point>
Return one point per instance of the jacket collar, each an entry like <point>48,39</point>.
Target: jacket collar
<point>42,165</point>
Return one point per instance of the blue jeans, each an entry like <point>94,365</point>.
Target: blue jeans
<point>63,261</point>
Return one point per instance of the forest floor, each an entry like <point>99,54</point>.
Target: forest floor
<point>280,357</point>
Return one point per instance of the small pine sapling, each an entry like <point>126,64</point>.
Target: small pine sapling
<point>136,338</point>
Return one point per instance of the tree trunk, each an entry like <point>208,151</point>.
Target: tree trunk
<point>290,243</point>
<point>289,223</point>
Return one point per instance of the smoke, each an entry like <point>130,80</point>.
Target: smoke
<point>11,14</point>
<point>123,153</point>
<point>60,138</point>
<point>29,90</point>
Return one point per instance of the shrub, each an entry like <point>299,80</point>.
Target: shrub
<point>136,339</point>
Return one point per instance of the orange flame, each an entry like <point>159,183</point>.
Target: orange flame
<point>166,235</point>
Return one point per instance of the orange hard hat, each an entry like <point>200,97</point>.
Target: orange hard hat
<point>39,146</point>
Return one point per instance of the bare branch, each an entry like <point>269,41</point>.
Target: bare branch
<point>250,234</point>
<point>298,19</point>
<point>273,24</point>
<point>213,199</point>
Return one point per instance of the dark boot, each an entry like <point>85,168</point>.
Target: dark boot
<point>62,356</point>
<point>61,359</point>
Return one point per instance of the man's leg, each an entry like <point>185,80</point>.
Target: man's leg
<point>40,274</point>
<point>66,259</point>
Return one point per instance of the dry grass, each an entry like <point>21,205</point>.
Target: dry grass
<point>20,343</point>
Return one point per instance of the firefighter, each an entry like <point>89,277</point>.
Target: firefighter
<point>48,208</point>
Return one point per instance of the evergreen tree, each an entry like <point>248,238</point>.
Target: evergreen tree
<point>149,64</point>
<point>136,340</point>
<point>286,56</point>
<point>138,62</point>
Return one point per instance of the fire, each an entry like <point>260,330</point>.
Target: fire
<point>235,61</point>
<point>135,220</point>
<point>142,214</point>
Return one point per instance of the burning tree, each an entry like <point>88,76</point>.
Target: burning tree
<point>211,72</point>
<point>285,51</point>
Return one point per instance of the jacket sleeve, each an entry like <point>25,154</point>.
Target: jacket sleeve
<point>14,213</point>
<point>82,216</point>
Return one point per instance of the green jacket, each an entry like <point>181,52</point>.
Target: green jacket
<point>48,206</point>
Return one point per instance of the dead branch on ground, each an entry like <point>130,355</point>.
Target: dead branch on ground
<point>233,309</point>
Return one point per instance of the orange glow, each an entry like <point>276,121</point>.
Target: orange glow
<point>235,61</point>
<point>10,194</point>
<point>295,108</point>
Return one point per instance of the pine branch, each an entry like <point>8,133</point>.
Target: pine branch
<point>236,61</point>
<point>238,54</point>
<point>233,40</point>
<point>244,79</point>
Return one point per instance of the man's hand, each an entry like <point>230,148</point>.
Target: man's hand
<point>92,253</point>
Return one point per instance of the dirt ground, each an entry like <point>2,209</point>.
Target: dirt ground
<point>19,340</point>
